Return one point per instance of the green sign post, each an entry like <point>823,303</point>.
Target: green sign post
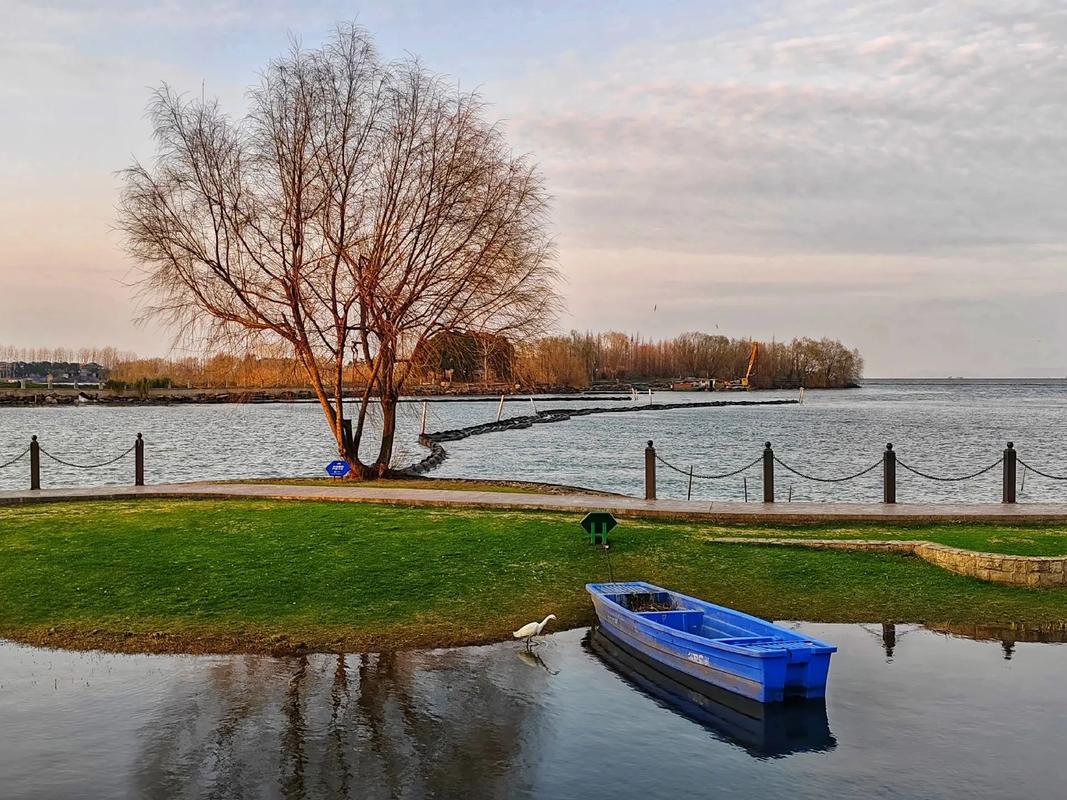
<point>597,524</point>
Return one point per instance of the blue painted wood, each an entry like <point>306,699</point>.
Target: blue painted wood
<point>714,644</point>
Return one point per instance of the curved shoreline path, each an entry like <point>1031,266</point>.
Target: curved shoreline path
<point>438,453</point>
<point>621,506</point>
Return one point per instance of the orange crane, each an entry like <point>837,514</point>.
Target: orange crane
<point>743,383</point>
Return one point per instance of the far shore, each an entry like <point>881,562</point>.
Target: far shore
<point>467,393</point>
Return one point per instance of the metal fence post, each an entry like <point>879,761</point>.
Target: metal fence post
<point>35,463</point>
<point>768,473</point>
<point>138,461</point>
<point>889,475</point>
<point>1010,456</point>
<point>650,471</point>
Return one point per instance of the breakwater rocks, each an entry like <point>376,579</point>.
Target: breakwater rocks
<point>438,453</point>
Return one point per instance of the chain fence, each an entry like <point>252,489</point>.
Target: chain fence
<point>842,479</point>
<point>1043,474</point>
<point>690,474</point>
<point>889,461</point>
<point>107,463</point>
<point>35,451</point>
<point>16,459</point>
<point>951,478</point>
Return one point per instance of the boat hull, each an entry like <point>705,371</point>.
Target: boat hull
<point>762,729</point>
<point>716,645</point>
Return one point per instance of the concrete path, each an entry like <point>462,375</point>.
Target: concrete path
<point>695,510</point>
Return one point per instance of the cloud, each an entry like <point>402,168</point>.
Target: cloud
<point>908,129</point>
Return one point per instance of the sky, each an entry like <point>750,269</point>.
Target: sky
<point>891,174</point>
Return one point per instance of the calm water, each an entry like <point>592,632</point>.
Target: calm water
<point>945,429</point>
<point>941,717</point>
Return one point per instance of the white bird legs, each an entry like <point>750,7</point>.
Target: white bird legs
<point>532,629</point>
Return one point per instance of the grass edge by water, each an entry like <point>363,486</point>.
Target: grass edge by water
<point>457,576</point>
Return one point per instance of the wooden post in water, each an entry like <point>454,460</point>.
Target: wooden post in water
<point>35,463</point>
<point>889,475</point>
<point>500,408</point>
<point>138,461</point>
<point>768,473</point>
<point>650,471</point>
<point>423,428</point>
<point>689,494</point>
<point>889,638</point>
<point>1010,457</point>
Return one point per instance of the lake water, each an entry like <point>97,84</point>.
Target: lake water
<point>947,429</point>
<point>910,713</point>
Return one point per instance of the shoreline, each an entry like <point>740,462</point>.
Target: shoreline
<point>207,643</point>
<point>69,396</point>
<point>281,645</point>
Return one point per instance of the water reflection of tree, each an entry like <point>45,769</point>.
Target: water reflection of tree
<point>292,758</point>
<point>392,725</point>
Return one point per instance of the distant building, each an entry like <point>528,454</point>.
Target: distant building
<point>59,372</point>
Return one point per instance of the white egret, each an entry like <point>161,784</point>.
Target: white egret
<point>532,629</point>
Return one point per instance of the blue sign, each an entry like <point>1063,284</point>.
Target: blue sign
<point>338,469</point>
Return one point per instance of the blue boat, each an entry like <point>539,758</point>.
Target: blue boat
<point>715,645</point>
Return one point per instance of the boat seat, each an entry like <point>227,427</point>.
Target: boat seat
<point>747,640</point>
<point>687,620</point>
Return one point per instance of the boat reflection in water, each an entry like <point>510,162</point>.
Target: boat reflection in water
<point>762,729</point>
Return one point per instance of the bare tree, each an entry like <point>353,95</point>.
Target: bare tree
<point>358,209</point>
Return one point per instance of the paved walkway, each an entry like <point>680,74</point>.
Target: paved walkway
<point>695,510</point>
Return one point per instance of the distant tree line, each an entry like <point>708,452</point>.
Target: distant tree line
<point>254,370</point>
<point>576,360</point>
<point>106,357</point>
<point>585,359</point>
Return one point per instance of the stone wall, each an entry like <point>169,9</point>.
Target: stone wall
<point>1030,571</point>
<point>1033,571</point>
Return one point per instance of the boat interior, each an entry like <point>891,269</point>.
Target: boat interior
<point>674,612</point>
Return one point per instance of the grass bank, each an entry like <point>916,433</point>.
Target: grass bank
<point>265,576</point>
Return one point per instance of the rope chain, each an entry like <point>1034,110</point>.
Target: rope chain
<point>1042,474</point>
<point>687,473</point>
<point>15,459</point>
<point>954,478</point>
<point>88,466</point>
<point>853,476</point>
<point>828,480</point>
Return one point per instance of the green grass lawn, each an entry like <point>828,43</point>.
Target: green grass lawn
<point>230,575</point>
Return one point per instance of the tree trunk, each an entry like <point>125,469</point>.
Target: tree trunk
<point>385,453</point>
